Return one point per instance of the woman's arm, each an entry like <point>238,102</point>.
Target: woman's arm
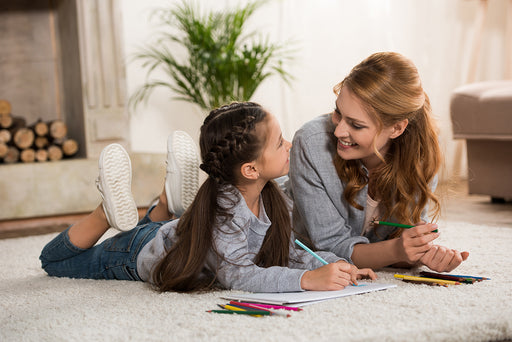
<point>406,250</point>
<point>317,193</point>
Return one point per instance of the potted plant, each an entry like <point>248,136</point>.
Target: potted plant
<point>219,61</point>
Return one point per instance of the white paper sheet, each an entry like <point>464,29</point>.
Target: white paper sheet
<point>307,297</point>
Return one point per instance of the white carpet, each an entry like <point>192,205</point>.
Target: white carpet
<point>35,307</point>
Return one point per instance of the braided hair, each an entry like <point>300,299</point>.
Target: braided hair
<point>228,140</point>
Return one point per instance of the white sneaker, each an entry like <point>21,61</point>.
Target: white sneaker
<point>114,183</point>
<point>182,177</point>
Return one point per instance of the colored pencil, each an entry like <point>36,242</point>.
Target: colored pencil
<point>254,307</point>
<point>253,313</point>
<point>439,281</point>
<point>466,280</point>
<point>424,282</point>
<point>399,225</point>
<point>311,252</point>
<point>472,277</point>
<point>277,307</point>
<point>237,309</point>
<point>246,306</point>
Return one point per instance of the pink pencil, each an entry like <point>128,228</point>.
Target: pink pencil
<point>255,307</point>
<point>268,306</point>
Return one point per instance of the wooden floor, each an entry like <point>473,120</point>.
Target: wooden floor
<point>457,206</point>
<point>42,225</point>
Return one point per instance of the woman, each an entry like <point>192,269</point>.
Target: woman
<point>375,157</point>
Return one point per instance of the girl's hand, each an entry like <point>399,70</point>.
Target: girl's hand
<point>335,276</point>
<point>416,241</point>
<point>363,273</point>
<point>443,259</point>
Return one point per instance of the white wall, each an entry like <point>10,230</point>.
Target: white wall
<point>332,36</point>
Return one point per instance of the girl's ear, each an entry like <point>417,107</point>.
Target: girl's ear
<point>249,171</point>
<point>399,128</point>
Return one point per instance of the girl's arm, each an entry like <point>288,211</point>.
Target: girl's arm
<point>236,270</point>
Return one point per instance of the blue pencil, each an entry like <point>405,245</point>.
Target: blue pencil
<point>311,252</point>
<point>470,277</point>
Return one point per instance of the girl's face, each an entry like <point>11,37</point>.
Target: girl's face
<point>275,158</point>
<point>357,132</point>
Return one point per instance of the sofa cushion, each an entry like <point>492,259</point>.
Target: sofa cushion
<point>482,110</point>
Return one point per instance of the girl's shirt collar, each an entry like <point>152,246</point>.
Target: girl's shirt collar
<point>244,216</point>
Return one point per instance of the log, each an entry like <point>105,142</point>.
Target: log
<point>54,153</point>
<point>12,156</point>
<point>5,135</point>
<point>42,155</point>
<point>41,142</point>
<point>58,129</point>
<point>6,121</point>
<point>40,128</point>
<point>5,107</point>
<point>28,155</point>
<point>17,123</point>
<point>69,147</point>
<point>3,149</point>
<point>23,138</point>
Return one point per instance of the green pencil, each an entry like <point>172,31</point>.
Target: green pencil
<point>400,225</point>
<point>248,312</point>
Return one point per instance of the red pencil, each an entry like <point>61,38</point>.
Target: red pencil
<point>255,307</point>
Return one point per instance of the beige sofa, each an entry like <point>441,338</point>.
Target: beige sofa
<point>481,113</point>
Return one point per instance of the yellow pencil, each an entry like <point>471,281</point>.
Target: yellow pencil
<point>432,280</point>
<point>234,308</point>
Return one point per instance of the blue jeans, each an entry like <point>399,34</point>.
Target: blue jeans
<point>114,258</point>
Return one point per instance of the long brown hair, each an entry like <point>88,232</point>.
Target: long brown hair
<point>228,140</point>
<point>389,86</point>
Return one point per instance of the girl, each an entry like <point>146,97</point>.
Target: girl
<point>236,233</point>
<point>375,157</point>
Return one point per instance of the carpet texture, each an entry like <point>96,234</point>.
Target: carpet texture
<point>35,307</point>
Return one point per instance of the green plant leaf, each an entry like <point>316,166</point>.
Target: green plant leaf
<point>209,59</point>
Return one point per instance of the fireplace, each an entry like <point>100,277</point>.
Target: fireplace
<point>63,59</point>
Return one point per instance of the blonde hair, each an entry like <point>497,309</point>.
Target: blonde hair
<point>389,86</point>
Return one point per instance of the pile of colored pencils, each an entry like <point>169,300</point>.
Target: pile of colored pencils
<point>440,279</point>
<point>254,309</point>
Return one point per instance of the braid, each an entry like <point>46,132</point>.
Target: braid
<point>236,145</point>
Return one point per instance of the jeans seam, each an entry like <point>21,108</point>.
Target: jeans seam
<point>141,243</point>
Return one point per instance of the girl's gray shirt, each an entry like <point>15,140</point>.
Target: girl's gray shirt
<point>320,210</point>
<point>238,242</point>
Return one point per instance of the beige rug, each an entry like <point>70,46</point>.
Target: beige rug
<point>35,307</point>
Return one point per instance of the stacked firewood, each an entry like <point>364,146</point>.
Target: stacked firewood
<point>40,141</point>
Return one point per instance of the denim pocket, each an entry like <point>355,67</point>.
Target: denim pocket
<point>121,272</point>
<point>122,242</point>
<point>119,257</point>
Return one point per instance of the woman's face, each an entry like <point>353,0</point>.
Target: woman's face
<point>357,132</point>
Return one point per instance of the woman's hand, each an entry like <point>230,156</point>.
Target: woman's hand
<point>443,259</point>
<point>417,241</point>
<point>335,276</point>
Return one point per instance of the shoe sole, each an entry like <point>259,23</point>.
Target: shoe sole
<point>116,175</point>
<point>182,172</point>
